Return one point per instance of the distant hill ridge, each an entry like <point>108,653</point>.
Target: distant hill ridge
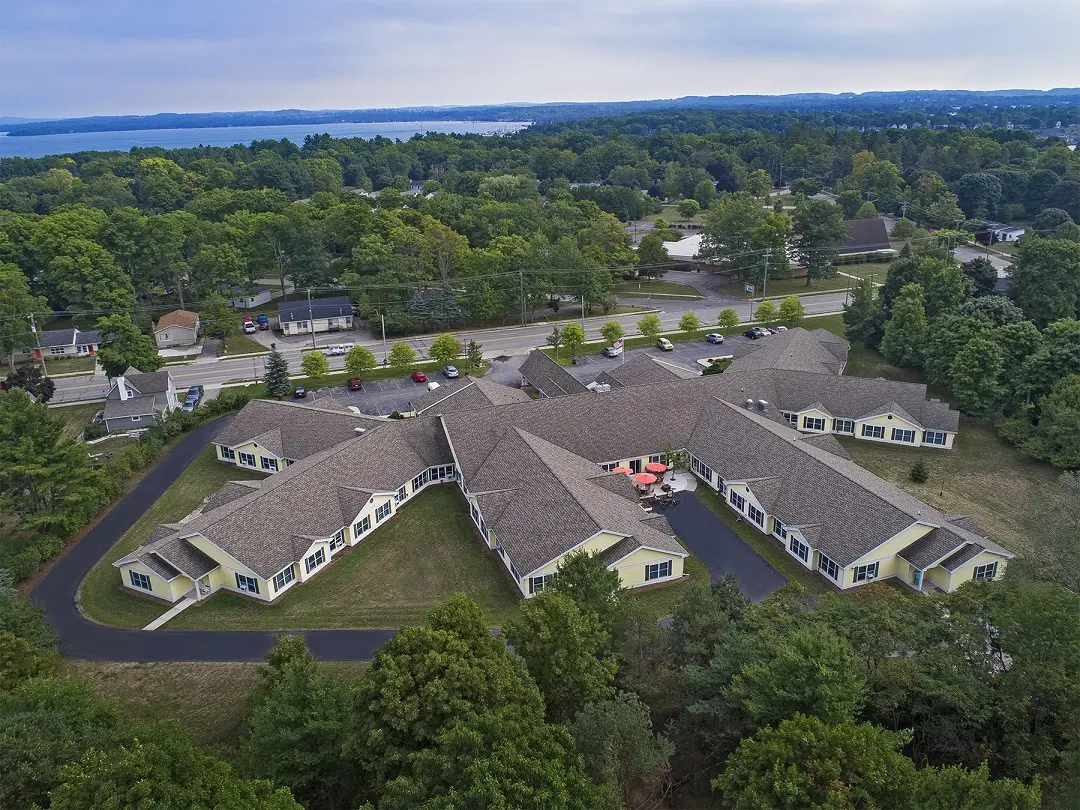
<point>930,101</point>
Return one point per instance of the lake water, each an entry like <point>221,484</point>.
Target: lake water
<point>41,145</point>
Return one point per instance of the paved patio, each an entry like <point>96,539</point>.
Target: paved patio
<point>722,551</point>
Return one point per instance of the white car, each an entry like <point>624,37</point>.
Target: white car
<point>714,337</point>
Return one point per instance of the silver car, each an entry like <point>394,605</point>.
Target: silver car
<point>450,372</point>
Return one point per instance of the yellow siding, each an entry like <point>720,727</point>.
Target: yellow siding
<point>814,413</point>
<point>895,544</point>
<point>632,568</point>
<point>160,588</point>
<point>597,543</point>
<point>965,572</point>
<point>939,576</point>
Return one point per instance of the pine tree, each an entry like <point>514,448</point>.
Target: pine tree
<point>919,474</point>
<point>277,375</point>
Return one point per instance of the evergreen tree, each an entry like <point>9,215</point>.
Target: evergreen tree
<point>904,340</point>
<point>919,474</point>
<point>276,380</point>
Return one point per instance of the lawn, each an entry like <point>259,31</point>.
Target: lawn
<point>210,700</point>
<point>242,344</point>
<point>427,553</point>
<point>100,594</point>
<point>786,286</point>
<point>768,549</point>
<point>69,365</point>
<point>672,215</point>
<point>645,288</point>
<point>984,477</point>
<point>873,270</point>
<point>77,417</point>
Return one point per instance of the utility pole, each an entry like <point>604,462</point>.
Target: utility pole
<point>41,354</point>
<point>765,281</point>
<point>385,354</point>
<point>311,321</point>
<point>521,293</point>
<point>903,209</point>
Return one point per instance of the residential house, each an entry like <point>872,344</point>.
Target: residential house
<point>177,328</point>
<point>993,232</point>
<point>138,400</point>
<point>865,236</point>
<point>63,343</point>
<point>320,315</point>
<point>249,297</point>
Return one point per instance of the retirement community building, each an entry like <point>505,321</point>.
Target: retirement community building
<point>538,477</point>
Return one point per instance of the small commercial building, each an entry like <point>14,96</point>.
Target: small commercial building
<point>318,315</point>
<point>249,297</point>
<point>178,328</point>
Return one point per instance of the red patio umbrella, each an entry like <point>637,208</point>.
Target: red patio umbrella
<point>645,479</point>
<point>656,467</point>
<point>623,470</point>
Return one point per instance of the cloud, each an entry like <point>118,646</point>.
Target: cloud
<point>63,57</point>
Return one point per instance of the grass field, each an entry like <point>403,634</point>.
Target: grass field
<point>100,594</point>
<point>69,365</point>
<point>76,417</point>
<point>786,286</point>
<point>242,344</point>
<point>427,553</point>
<point>671,214</point>
<point>210,700</point>
<point>644,288</point>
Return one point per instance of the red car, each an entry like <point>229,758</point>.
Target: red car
<point>419,376</point>
<point>354,384</point>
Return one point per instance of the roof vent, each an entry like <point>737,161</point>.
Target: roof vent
<point>763,404</point>
<point>749,404</point>
<point>359,430</point>
<point>932,399</point>
<point>603,388</point>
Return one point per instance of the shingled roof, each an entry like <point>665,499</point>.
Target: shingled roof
<point>548,377</point>
<point>291,430</point>
<point>820,352</point>
<point>467,394</point>
<point>640,369</point>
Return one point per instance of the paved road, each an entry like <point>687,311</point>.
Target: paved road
<point>514,341</point>
<point>81,638</point>
<point>714,543</point>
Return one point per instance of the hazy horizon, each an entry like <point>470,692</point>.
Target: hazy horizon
<point>117,57</point>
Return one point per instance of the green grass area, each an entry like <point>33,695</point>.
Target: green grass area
<point>69,365</point>
<point>76,417</point>
<point>874,270</point>
<point>659,602</point>
<point>786,286</point>
<point>100,594</point>
<point>671,214</point>
<point>768,548</point>
<point>983,477</point>
<point>645,288</point>
<point>210,700</point>
<point>419,559</point>
<point>242,344</point>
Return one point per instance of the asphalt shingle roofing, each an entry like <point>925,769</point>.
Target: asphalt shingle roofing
<point>335,307</point>
<point>548,377</point>
<point>793,350</point>
<point>638,369</point>
<point>466,395</point>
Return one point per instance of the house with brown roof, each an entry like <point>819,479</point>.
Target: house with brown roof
<point>177,328</point>
<point>537,477</point>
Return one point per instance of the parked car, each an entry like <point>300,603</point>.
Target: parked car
<point>354,384</point>
<point>189,406</point>
<point>450,372</point>
<point>300,392</point>
<point>714,337</point>
<point>664,344</point>
<point>197,390</point>
<point>249,326</point>
<point>756,332</point>
<point>332,351</point>
<point>418,376</point>
<point>613,351</point>
<point>264,322</point>
<point>779,328</point>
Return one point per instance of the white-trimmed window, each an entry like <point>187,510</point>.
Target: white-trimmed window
<point>475,512</point>
<point>609,466</point>
<point>383,512</point>
<point>903,435</point>
<point>658,570</point>
<point>141,581</point>
<point>828,567</point>
<point>483,528</point>
<point>799,548</point>
<point>938,437</point>
<point>701,469</point>
<point>537,584</point>
<point>247,459</point>
<point>843,426</point>
<point>792,419</point>
<point>229,453</point>
<point>443,473</point>
<point>655,460</point>
<point>737,500</point>
<point>399,496</point>
<point>421,480</point>
<point>986,571</point>
<point>268,464</point>
<point>362,526</point>
<point>283,577</point>
<point>865,573</point>
<point>779,529</point>
<point>813,423</point>
<point>755,515</point>
<point>338,540</point>
<point>247,584</point>
<point>56,349</point>
<point>315,560</point>
<point>873,431</point>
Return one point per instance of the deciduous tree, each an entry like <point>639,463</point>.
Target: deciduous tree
<point>359,360</point>
<point>864,319</point>
<point>818,226</point>
<point>792,311</point>
<point>689,322</point>
<point>445,349</point>
<point>1046,279</point>
<point>688,209</point>
<point>124,346</point>
<point>727,319</point>
<point>315,366</point>
<point>217,318</point>
<point>766,312</point>
<point>402,355</point>
<point>904,339</point>
<point>573,336</point>
<point>652,253</point>
<point>975,374</point>
<point>611,331</point>
<point>649,326</point>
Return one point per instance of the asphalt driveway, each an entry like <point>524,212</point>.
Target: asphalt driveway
<point>82,638</point>
<point>721,550</point>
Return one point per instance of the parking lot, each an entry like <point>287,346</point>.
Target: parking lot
<point>685,355</point>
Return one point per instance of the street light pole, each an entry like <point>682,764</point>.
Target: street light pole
<point>311,321</point>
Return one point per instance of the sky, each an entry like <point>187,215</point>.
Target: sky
<point>61,58</point>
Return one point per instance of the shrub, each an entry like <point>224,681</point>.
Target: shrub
<point>919,473</point>
<point>95,430</point>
